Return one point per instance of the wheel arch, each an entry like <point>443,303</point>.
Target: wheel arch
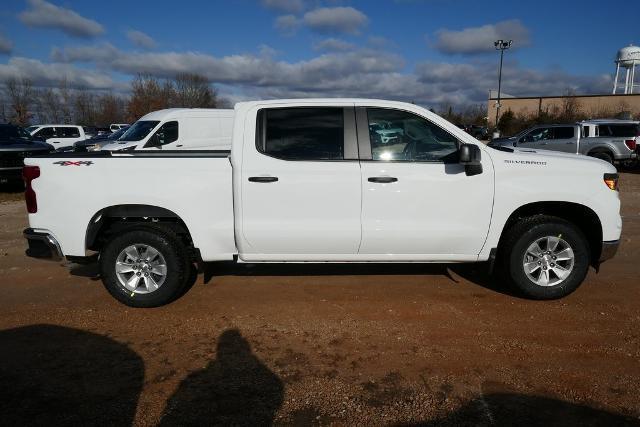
<point>114,218</point>
<point>580,215</point>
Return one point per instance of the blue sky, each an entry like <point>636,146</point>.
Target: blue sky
<point>430,51</point>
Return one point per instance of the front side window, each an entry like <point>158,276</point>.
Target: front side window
<point>404,136</point>
<point>167,133</point>
<point>302,133</point>
<point>68,132</point>
<point>539,134</point>
<point>139,130</point>
<point>46,132</point>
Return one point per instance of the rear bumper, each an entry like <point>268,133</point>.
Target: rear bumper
<point>42,245</point>
<point>609,250</point>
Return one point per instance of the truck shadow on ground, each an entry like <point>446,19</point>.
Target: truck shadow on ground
<point>476,273</point>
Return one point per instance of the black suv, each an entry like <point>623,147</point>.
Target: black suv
<point>16,144</point>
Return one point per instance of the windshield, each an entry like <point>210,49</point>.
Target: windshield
<point>117,134</point>
<point>13,132</point>
<point>139,130</point>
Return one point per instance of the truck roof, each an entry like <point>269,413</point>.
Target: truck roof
<point>297,101</point>
<point>187,112</point>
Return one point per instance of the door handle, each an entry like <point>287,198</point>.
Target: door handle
<point>383,179</point>
<point>263,178</point>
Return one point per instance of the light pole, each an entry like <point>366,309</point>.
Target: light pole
<point>500,45</point>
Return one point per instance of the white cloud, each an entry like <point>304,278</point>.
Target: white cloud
<point>336,20</point>
<point>141,39</point>
<point>46,15</point>
<point>288,6</point>
<point>480,39</point>
<point>50,75</point>
<point>352,73</point>
<point>6,45</point>
<point>333,45</point>
<point>287,24</point>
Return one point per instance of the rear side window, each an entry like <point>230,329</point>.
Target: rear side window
<point>46,132</point>
<point>301,133</point>
<point>563,133</point>
<point>620,131</point>
<point>68,132</point>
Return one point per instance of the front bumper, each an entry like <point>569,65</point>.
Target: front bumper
<point>609,250</point>
<point>42,245</point>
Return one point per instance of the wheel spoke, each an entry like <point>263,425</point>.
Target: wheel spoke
<point>150,284</point>
<point>132,253</point>
<point>543,279</point>
<point>564,255</point>
<point>124,267</point>
<point>531,267</point>
<point>535,250</point>
<point>552,243</point>
<point>133,281</point>
<point>561,272</point>
<point>151,253</point>
<point>159,269</point>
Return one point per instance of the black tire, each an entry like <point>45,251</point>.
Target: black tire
<point>603,155</point>
<point>527,231</point>
<point>170,246</point>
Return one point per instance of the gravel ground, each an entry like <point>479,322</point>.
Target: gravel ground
<point>331,344</point>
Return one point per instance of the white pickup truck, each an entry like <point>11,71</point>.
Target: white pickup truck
<point>310,181</point>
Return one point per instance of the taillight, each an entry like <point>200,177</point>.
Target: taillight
<point>611,180</point>
<point>29,173</point>
<point>630,143</point>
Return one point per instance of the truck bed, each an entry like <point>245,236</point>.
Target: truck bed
<point>198,190</point>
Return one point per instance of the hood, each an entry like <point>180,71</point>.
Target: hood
<point>21,144</point>
<point>119,145</point>
<point>548,156</point>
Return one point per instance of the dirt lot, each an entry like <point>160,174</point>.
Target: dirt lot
<point>373,345</point>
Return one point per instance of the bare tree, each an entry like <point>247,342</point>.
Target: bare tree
<point>148,94</point>
<point>193,91</point>
<point>85,108</point>
<point>110,109</point>
<point>48,104</point>
<point>20,92</point>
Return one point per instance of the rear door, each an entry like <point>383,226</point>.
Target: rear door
<point>300,185</point>
<point>564,139</point>
<point>417,201</point>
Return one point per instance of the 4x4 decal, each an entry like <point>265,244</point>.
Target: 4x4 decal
<point>77,163</point>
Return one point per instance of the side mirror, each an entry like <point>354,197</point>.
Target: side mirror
<point>470,157</point>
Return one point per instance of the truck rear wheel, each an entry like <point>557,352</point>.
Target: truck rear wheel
<point>603,155</point>
<point>545,257</point>
<point>145,266</point>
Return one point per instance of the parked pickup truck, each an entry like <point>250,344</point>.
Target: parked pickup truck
<point>308,181</point>
<point>609,140</point>
<point>62,137</point>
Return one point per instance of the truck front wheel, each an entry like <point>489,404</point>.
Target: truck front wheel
<point>145,266</point>
<point>545,257</point>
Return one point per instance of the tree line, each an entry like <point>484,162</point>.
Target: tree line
<point>26,104</point>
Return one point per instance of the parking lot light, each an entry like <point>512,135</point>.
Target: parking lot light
<point>500,45</point>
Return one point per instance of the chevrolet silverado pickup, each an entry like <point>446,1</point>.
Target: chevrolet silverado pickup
<point>312,181</point>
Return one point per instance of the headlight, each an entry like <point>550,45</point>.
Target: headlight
<point>94,147</point>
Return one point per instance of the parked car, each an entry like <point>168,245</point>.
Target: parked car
<point>117,126</point>
<point>62,137</point>
<point>303,183</point>
<point>179,129</point>
<point>610,145</point>
<point>15,144</point>
<point>97,142</point>
<point>479,132</point>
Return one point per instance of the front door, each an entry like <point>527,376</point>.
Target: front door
<point>300,186</point>
<point>417,201</point>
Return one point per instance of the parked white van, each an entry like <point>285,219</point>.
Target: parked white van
<point>178,129</point>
